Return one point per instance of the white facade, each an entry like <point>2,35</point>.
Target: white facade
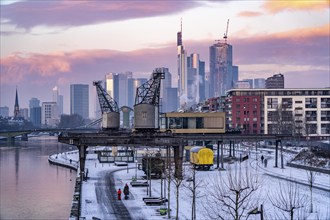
<point>310,109</point>
<point>49,115</point>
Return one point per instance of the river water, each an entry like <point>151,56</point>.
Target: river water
<point>30,187</point>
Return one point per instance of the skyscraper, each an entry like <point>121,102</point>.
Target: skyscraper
<point>182,70</point>
<point>112,85</point>
<point>79,100</point>
<point>59,100</point>
<point>35,112</point>
<point>195,79</point>
<point>221,69</point>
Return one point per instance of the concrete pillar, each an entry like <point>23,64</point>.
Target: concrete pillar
<point>24,137</point>
<point>218,153</point>
<point>10,140</point>
<point>234,149</point>
<point>178,158</point>
<point>276,152</point>
<point>221,156</point>
<point>230,149</point>
<point>82,159</point>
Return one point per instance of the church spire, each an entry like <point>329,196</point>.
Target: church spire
<point>16,108</point>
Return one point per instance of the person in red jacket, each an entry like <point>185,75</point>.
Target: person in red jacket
<point>119,194</point>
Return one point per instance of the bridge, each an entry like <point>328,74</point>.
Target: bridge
<point>11,134</point>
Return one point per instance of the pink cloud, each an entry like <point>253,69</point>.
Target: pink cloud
<point>274,6</point>
<point>28,14</point>
<point>249,14</point>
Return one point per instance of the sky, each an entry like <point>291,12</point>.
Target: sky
<point>44,44</point>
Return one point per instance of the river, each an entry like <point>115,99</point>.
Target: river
<point>30,187</point>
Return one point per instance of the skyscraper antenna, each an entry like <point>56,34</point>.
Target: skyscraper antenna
<point>181,26</point>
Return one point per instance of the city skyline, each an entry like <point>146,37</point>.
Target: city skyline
<point>58,43</point>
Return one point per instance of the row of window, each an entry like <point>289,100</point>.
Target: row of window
<point>282,93</point>
<point>272,103</point>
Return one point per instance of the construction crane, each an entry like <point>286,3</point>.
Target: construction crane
<point>149,92</point>
<point>225,35</point>
<point>109,108</point>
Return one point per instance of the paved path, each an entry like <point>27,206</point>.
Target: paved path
<point>106,194</point>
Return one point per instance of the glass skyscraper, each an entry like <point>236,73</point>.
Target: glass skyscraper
<point>79,100</point>
<point>222,72</point>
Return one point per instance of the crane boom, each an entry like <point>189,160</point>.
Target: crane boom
<point>149,92</point>
<point>225,36</point>
<point>107,103</point>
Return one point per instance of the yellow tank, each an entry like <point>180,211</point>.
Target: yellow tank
<point>201,157</point>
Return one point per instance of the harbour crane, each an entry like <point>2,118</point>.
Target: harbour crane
<point>225,35</point>
<point>146,108</point>
<point>109,108</point>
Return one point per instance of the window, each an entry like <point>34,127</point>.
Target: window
<point>311,103</point>
<point>325,102</point>
<point>272,103</point>
<point>311,115</point>
<point>286,103</point>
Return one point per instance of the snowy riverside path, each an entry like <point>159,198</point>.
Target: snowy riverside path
<point>99,192</point>
<point>104,191</point>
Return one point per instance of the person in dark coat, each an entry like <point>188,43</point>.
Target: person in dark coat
<point>262,158</point>
<point>126,191</point>
<point>119,194</point>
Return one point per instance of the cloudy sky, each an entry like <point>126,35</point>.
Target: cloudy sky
<point>61,42</point>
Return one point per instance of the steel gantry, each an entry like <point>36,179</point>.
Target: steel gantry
<point>157,139</point>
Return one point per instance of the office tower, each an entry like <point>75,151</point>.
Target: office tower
<point>49,115</point>
<point>259,83</point>
<point>235,74</point>
<point>202,96</point>
<point>16,107</point>
<point>165,83</point>
<point>131,92</point>
<point>123,88</point>
<point>250,81</point>
<point>79,100</point>
<point>112,85</point>
<point>171,100</point>
<point>4,111</point>
<point>195,79</point>
<point>275,82</point>
<point>59,100</point>
<point>35,112</point>
<point>24,113</point>
<point>182,70</point>
<point>207,85</point>
<point>222,72</point>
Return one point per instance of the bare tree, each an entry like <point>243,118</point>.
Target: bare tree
<point>287,199</point>
<point>177,182</point>
<point>192,185</point>
<point>235,192</point>
<point>311,175</point>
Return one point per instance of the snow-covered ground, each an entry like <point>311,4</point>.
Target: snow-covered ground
<point>96,204</point>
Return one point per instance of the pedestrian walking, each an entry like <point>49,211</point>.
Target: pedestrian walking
<point>262,158</point>
<point>119,194</point>
<point>126,191</point>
